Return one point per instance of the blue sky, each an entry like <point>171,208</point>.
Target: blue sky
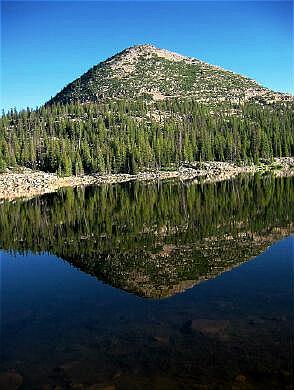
<point>45,45</point>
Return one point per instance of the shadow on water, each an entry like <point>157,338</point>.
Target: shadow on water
<point>62,327</point>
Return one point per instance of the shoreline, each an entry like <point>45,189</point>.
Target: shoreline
<point>27,183</point>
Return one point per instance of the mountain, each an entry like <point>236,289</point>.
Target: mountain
<point>149,109</point>
<point>157,74</point>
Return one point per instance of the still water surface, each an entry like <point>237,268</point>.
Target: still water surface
<point>149,286</point>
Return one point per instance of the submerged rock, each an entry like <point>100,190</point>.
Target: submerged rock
<point>10,380</point>
<point>207,326</point>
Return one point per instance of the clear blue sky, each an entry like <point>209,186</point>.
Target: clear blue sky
<point>45,45</point>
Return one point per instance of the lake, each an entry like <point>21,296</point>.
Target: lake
<point>164,285</point>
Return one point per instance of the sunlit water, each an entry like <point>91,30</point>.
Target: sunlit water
<point>149,287</point>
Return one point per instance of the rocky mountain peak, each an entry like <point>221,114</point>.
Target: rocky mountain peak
<point>148,51</point>
<point>145,71</point>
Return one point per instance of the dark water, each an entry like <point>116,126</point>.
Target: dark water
<point>149,286</point>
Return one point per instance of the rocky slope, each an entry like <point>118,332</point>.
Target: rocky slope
<point>157,74</point>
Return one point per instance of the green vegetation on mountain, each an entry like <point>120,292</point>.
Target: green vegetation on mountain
<point>125,137</point>
<point>147,108</point>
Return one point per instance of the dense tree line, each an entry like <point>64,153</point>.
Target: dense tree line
<point>130,136</point>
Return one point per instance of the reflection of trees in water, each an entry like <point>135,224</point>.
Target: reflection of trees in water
<point>153,239</point>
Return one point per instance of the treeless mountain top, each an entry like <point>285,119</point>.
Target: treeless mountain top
<point>145,71</point>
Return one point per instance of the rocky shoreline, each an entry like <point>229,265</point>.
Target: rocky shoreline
<point>28,183</point>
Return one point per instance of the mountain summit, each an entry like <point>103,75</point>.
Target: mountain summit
<point>145,71</point>
<point>147,109</point>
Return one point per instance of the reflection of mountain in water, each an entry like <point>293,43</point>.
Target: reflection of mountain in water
<point>153,240</point>
<point>167,269</point>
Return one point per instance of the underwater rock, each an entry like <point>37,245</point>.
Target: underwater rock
<point>10,380</point>
<point>207,326</point>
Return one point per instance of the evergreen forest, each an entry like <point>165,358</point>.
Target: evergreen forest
<point>130,136</point>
